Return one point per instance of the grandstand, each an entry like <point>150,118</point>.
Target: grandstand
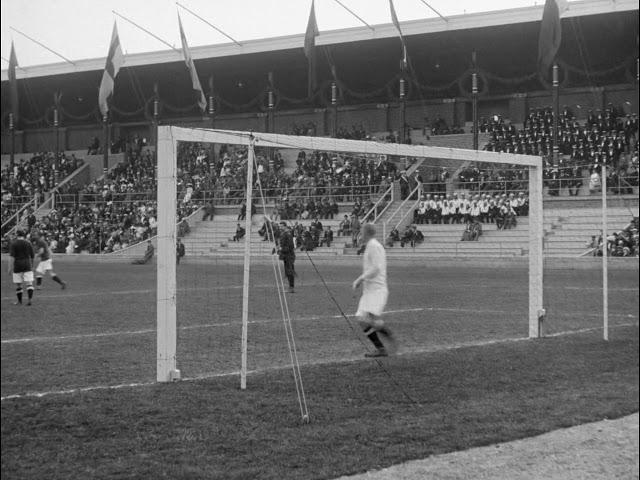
<point>598,123</point>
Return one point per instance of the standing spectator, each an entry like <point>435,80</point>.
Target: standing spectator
<point>287,254</point>
<point>180,252</point>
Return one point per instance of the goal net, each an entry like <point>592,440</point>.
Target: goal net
<point>226,309</point>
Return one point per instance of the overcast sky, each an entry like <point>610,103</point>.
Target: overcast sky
<point>80,29</point>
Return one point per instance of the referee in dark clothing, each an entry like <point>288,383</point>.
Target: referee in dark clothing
<point>21,266</point>
<point>287,254</point>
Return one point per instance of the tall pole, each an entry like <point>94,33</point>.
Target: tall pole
<point>334,105</point>
<point>474,107</point>
<point>212,107</point>
<point>556,113</point>
<point>105,135</point>
<point>156,112</point>
<point>403,111</point>
<point>247,264</point>
<point>605,276</point>
<point>56,126</point>
<point>270,113</point>
<point>12,133</point>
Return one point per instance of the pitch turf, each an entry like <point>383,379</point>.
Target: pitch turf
<point>101,331</point>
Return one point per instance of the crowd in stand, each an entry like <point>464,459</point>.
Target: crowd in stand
<point>28,178</point>
<point>502,210</point>
<point>624,243</point>
<point>604,139</point>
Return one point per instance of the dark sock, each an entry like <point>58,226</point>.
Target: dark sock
<point>19,294</point>
<point>56,279</point>
<point>373,336</point>
<point>30,292</point>
<point>38,281</point>
<point>292,281</point>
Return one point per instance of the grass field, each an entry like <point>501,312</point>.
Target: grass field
<point>462,358</point>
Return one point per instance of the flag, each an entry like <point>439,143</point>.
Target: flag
<point>309,47</point>
<point>550,34</point>
<point>195,81</point>
<point>394,19</point>
<point>115,59</point>
<point>13,85</point>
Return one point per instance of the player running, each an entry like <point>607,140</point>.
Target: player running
<point>43,253</point>
<point>374,294</point>
<point>21,266</point>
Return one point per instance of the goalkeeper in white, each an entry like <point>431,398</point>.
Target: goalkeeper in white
<point>374,294</point>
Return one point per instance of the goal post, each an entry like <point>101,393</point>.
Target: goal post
<point>168,138</point>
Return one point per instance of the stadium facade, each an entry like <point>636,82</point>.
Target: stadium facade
<point>598,62</point>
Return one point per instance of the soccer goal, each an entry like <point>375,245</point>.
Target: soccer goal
<point>387,206</point>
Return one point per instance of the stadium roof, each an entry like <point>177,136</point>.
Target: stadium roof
<point>342,36</point>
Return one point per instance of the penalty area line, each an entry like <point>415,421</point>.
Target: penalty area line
<point>346,360</point>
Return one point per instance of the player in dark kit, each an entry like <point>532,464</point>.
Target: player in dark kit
<point>45,264</point>
<point>287,253</point>
<point>21,266</point>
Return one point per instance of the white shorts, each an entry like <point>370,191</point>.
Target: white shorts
<point>373,302</point>
<point>44,266</point>
<point>26,277</point>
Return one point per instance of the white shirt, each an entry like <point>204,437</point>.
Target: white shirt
<point>374,266</point>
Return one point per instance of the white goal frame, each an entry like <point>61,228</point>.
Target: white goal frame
<point>168,138</point>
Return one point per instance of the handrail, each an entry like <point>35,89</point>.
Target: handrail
<point>16,215</point>
<point>418,190</point>
<point>375,205</point>
<point>415,204</point>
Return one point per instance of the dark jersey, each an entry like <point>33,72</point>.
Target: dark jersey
<point>41,244</point>
<point>22,253</point>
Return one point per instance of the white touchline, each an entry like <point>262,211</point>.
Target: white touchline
<point>71,295</point>
<point>149,331</point>
<point>480,343</point>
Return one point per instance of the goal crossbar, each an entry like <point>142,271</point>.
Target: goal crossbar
<point>168,138</point>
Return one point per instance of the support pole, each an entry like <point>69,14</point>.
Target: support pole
<point>247,265</point>
<point>166,258</point>
<point>12,132</point>
<point>556,114</point>
<point>56,126</point>
<point>334,104</point>
<point>536,259</point>
<point>270,112</point>
<point>403,112</point>
<point>605,276</point>
<point>474,107</point>
<point>105,147</point>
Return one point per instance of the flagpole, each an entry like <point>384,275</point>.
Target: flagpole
<point>353,13</point>
<point>212,108</point>
<point>146,31</point>
<point>42,45</point>
<point>474,101</point>
<point>334,104</point>
<point>208,23</point>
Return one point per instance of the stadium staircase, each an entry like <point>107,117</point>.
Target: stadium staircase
<point>214,237</point>
<point>566,232</point>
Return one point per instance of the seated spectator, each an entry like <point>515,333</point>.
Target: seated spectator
<point>327,238</point>
<point>148,255</point>
<point>394,236</point>
<point>240,232</point>
<point>208,211</point>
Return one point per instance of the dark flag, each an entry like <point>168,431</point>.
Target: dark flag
<point>13,84</point>
<point>394,19</point>
<point>115,59</point>
<point>550,34</point>
<point>310,48</point>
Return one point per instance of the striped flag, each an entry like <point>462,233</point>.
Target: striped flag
<point>195,81</point>
<point>13,84</point>
<point>115,59</point>
<point>394,19</point>
<point>550,34</point>
<point>309,47</point>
